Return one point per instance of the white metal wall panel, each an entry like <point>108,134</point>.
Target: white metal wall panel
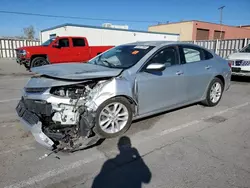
<point>155,37</point>
<point>112,37</point>
<point>62,31</point>
<point>106,37</point>
<point>94,36</point>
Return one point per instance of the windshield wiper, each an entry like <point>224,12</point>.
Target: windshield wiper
<point>109,64</point>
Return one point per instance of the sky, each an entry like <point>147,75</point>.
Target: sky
<point>236,12</point>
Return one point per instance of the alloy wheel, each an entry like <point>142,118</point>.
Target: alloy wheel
<point>113,117</point>
<point>215,92</point>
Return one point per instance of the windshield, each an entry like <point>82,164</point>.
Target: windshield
<point>123,56</point>
<point>246,49</point>
<point>48,42</point>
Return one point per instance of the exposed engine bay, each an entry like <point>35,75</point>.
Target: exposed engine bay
<point>62,105</point>
<point>68,122</point>
<point>62,113</point>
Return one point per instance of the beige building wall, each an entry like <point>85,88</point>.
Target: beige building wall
<point>185,29</point>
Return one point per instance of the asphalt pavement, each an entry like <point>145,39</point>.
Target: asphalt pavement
<point>195,146</point>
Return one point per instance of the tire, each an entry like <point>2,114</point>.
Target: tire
<point>39,61</point>
<point>126,109</point>
<point>208,101</point>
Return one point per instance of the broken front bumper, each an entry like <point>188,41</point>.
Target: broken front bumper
<point>30,122</point>
<point>22,61</point>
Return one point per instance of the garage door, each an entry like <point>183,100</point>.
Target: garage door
<point>202,34</point>
<point>217,34</point>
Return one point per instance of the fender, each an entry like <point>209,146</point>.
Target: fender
<point>107,89</point>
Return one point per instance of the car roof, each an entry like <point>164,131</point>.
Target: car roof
<point>160,43</point>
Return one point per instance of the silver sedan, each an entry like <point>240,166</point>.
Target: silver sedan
<point>71,106</point>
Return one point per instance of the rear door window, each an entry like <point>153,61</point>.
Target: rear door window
<point>78,42</point>
<point>192,55</point>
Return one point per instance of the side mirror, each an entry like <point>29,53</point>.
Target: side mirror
<point>156,66</point>
<point>56,45</point>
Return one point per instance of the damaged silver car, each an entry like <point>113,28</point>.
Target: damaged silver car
<point>71,106</point>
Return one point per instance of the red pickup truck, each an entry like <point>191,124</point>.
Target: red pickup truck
<point>62,49</point>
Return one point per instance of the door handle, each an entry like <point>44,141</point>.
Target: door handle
<point>208,67</point>
<point>179,72</point>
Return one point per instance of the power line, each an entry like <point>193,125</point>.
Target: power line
<point>74,17</point>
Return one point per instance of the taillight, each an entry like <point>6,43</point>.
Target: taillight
<point>230,63</point>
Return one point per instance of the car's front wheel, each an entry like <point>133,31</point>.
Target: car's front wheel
<point>39,61</point>
<point>113,117</point>
<point>214,92</point>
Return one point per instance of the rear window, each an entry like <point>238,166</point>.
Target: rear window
<point>207,55</point>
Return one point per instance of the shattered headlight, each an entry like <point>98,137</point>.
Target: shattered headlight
<point>23,52</point>
<point>70,92</point>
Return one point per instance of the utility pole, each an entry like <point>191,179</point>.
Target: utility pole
<point>221,9</point>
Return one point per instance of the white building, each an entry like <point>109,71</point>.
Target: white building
<point>101,36</point>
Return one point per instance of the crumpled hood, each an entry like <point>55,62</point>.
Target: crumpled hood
<point>76,71</point>
<point>239,56</point>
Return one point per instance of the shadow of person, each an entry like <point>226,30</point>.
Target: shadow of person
<point>126,170</point>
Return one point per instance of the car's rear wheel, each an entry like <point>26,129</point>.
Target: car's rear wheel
<point>214,92</point>
<point>113,117</point>
<point>39,61</point>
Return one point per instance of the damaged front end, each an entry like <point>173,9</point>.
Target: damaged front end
<point>60,113</point>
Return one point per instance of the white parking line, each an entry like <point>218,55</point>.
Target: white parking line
<point>53,173</point>
<point>7,126</point>
<point>13,79</point>
<point>185,125</point>
<point>200,120</point>
<point>35,179</point>
<point>9,100</point>
<point>19,149</point>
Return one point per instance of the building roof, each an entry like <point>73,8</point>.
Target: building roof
<point>197,21</point>
<point>243,26</point>
<point>98,27</point>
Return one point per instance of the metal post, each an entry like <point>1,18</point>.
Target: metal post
<point>245,42</point>
<point>217,47</point>
<point>221,9</point>
<point>1,49</point>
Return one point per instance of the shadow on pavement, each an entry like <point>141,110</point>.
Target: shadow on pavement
<point>126,170</point>
<point>240,78</point>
